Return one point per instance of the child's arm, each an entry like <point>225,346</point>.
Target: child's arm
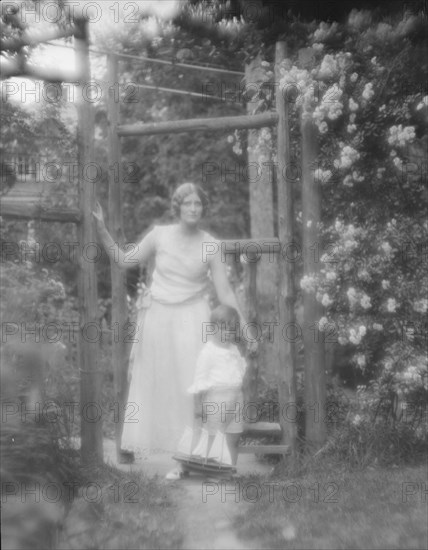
<point>201,380</point>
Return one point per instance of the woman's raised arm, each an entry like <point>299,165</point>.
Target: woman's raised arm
<point>135,254</point>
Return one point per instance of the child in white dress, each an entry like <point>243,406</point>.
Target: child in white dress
<point>218,379</point>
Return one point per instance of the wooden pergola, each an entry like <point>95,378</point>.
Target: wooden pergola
<point>90,384</point>
<point>286,347</point>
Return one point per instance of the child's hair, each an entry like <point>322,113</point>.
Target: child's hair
<point>225,315</point>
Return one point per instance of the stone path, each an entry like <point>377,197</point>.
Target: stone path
<point>206,508</point>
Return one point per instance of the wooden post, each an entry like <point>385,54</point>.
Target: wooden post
<point>90,382</point>
<point>252,316</point>
<point>260,183</point>
<point>313,339</point>
<point>287,349</point>
<point>261,186</point>
<point>119,306</point>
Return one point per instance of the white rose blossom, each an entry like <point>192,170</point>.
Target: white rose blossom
<point>391,305</point>
<point>328,68</point>
<point>399,136</point>
<point>330,107</point>
<point>398,163</point>
<point>348,156</point>
<point>338,225</point>
<point>308,283</point>
<point>355,336</point>
<point>422,104</point>
<point>322,175</point>
<point>356,176</point>
<point>356,421</point>
<point>368,92</point>
<point>352,296</point>
<point>326,300</point>
<point>379,172</point>
<point>421,306</point>
<point>365,302</point>
<point>353,105</point>
<point>386,247</point>
<point>361,360</point>
<point>323,324</point>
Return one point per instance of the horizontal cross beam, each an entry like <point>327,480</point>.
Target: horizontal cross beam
<point>198,124</point>
<point>35,37</point>
<point>13,68</point>
<point>10,208</point>
<point>251,247</point>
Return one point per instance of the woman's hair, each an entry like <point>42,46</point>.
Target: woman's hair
<point>182,192</point>
<point>225,315</point>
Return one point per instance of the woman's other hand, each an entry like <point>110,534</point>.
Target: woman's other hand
<point>253,349</point>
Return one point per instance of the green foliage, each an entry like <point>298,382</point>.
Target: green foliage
<point>327,508</point>
<point>33,295</point>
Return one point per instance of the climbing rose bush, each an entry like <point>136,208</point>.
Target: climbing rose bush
<point>371,109</point>
<point>371,113</point>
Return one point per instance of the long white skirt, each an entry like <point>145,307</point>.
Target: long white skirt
<point>163,363</point>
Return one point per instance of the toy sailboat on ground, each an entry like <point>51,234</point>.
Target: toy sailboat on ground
<point>198,458</point>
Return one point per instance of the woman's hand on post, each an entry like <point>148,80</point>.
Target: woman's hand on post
<point>98,215</point>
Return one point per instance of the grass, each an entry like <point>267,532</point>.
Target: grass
<point>131,511</point>
<point>339,510</point>
<point>50,501</point>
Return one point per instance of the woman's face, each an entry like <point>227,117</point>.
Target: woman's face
<point>191,209</point>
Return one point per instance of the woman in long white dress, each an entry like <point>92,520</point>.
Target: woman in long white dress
<point>170,327</point>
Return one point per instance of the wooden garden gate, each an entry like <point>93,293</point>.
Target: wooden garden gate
<point>314,367</point>
<point>91,432</point>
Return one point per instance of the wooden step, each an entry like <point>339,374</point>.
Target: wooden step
<point>264,449</point>
<point>262,428</point>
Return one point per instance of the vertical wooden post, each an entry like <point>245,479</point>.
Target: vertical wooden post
<point>313,339</point>
<point>259,160</point>
<point>119,307</point>
<point>90,382</point>
<point>252,316</point>
<point>287,351</point>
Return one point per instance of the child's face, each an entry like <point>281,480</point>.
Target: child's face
<point>228,332</point>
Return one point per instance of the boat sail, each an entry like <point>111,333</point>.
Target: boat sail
<point>193,452</point>
<point>184,446</point>
<point>219,450</point>
<point>201,448</point>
